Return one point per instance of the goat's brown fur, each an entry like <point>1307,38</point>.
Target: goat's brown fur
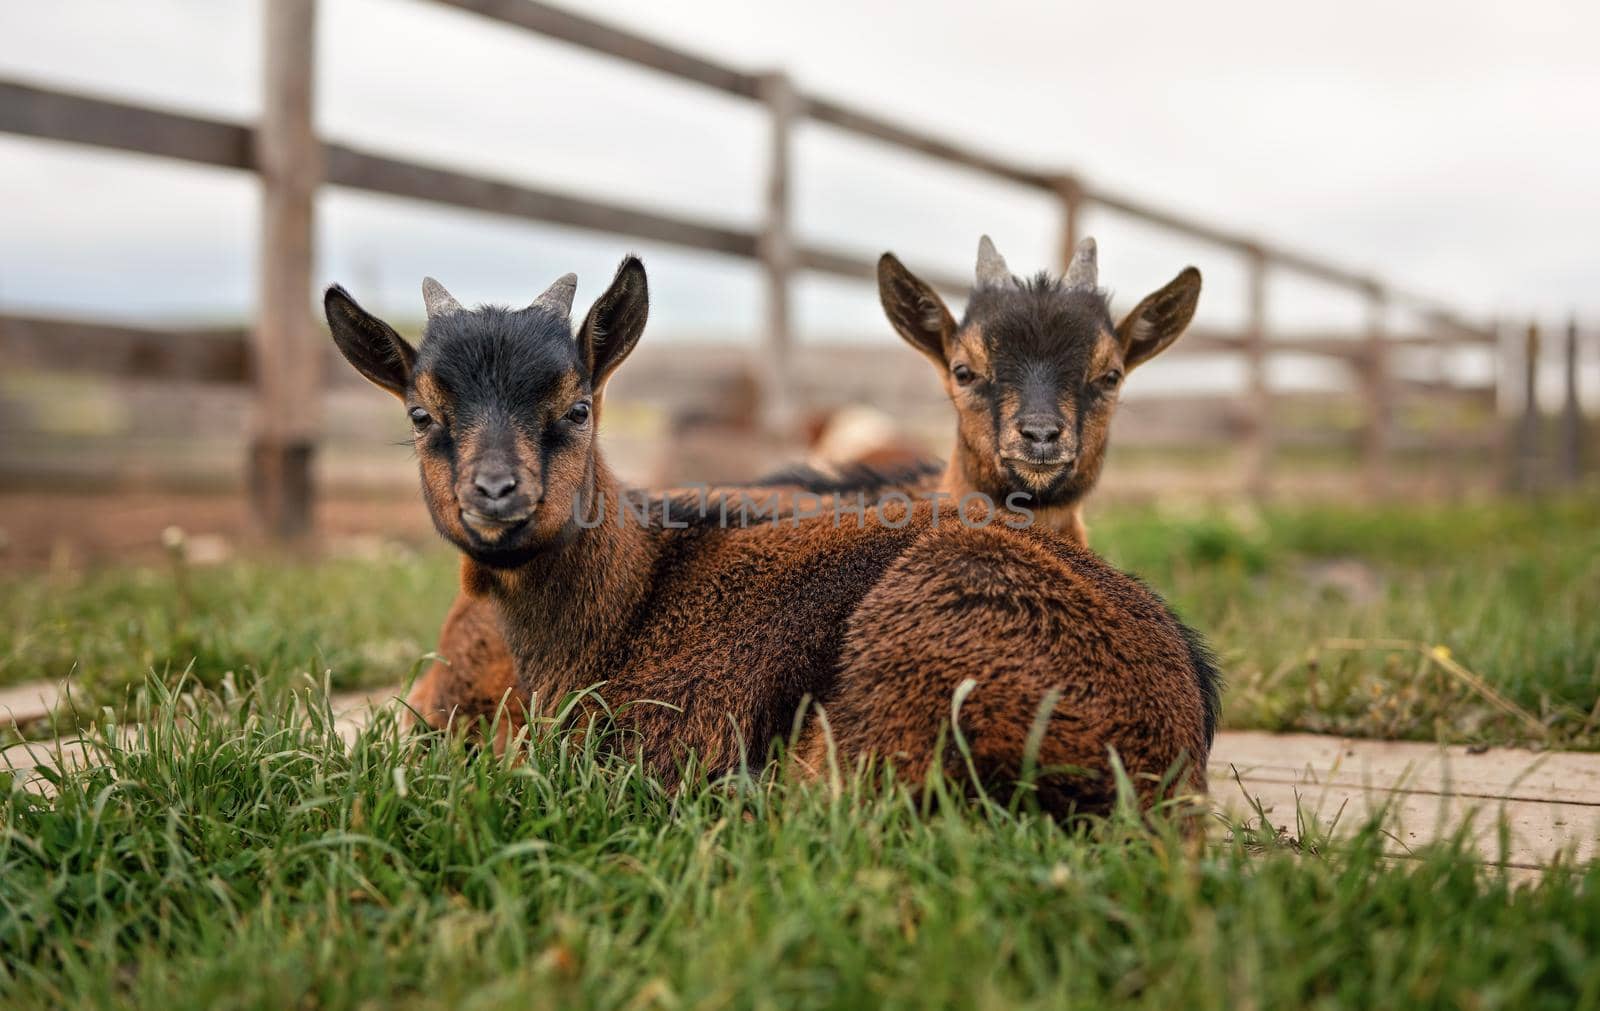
<point>1046,608</point>
<point>473,676</point>
<point>472,682</point>
<point>708,639</point>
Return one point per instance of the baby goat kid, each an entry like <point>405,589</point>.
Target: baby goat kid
<point>1033,378</point>
<point>1033,370</point>
<point>733,627</point>
<point>473,682</point>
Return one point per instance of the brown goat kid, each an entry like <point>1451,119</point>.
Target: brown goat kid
<point>1034,389</point>
<point>1033,370</point>
<point>733,627</point>
<point>473,682</point>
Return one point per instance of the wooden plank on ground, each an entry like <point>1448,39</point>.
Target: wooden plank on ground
<point>28,703</point>
<point>1536,831</point>
<point>1497,772</point>
<point>24,759</point>
<point>1550,801</point>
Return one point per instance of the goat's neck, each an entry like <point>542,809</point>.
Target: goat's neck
<point>971,471</point>
<point>568,608</point>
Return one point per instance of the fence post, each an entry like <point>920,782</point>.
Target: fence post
<point>1379,395</point>
<point>287,344</point>
<point>1258,443</point>
<point>776,250</point>
<point>1528,433</point>
<point>1506,435</point>
<point>1444,433</point>
<point>1071,194</point>
<point>1572,412</point>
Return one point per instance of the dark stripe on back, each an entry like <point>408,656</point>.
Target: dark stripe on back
<point>850,477</point>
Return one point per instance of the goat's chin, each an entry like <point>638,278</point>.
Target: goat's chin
<point>508,551</point>
<point>510,546</point>
<point>1061,489</point>
<point>502,558</point>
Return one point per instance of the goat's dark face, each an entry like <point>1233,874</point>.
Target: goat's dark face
<point>1034,367</point>
<point>503,405</point>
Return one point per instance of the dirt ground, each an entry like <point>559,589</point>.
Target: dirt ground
<point>72,529</point>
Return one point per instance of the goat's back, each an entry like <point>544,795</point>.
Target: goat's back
<point>881,624</point>
<point>1027,617</point>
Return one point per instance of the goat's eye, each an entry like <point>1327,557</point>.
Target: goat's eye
<point>579,413</point>
<point>962,374</point>
<point>1109,381</point>
<point>420,418</point>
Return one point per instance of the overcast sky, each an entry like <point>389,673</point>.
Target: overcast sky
<point>1452,146</point>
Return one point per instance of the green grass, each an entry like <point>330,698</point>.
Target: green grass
<point>364,622</point>
<point>1335,619</point>
<point>238,855</point>
<point>1509,590</point>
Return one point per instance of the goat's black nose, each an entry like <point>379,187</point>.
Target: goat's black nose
<point>495,484</point>
<point>1040,433</point>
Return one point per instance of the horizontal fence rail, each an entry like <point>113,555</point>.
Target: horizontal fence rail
<point>222,355</point>
<point>608,40</point>
<point>97,122</point>
<point>291,161</point>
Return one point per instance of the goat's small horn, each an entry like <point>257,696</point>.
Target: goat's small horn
<point>992,269</point>
<point>558,297</point>
<point>1084,270</point>
<point>437,300</point>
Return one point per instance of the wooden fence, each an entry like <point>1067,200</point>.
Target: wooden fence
<point>284,355</point>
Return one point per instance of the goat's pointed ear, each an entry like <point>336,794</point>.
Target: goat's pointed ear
<point>915,310</point>
<point>1160,319</point>
<point>615,322</point>
<point>368,343</point>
